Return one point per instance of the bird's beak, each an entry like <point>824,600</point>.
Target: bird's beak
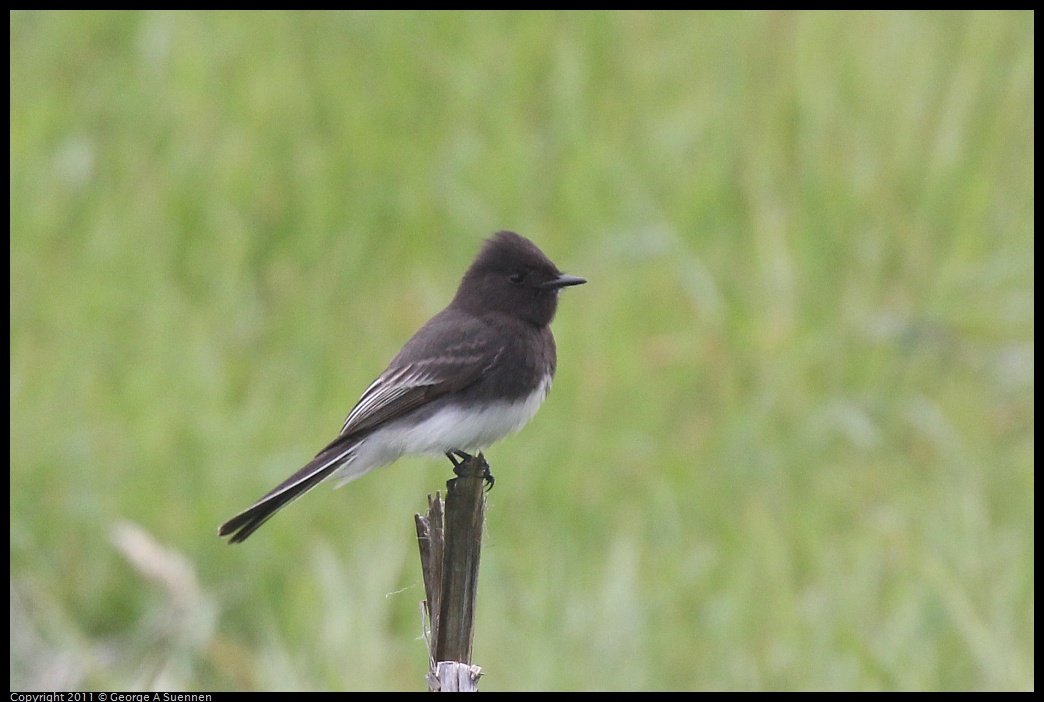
<point>562,281</point>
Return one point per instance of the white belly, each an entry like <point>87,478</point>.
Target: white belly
<point>449,429</point>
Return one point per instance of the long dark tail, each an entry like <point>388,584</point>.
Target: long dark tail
<point>319,469</point>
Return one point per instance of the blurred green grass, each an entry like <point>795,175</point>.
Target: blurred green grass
<point>790,444</point>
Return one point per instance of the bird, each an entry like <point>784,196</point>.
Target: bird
<point>473,374</point>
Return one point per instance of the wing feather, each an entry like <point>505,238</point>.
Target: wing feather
<point>406,386</point>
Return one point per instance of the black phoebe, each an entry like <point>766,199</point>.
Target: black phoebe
<point>475,373</point>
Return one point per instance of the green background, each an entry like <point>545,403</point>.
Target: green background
<point>790,444</point>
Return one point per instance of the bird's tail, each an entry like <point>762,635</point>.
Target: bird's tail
<point>319,469</point>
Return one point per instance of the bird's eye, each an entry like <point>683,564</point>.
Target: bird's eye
<point>517,277</point>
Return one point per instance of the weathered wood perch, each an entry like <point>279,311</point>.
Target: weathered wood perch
<point>450,540</point>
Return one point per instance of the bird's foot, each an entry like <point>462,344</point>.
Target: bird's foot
<point>459,458</point>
